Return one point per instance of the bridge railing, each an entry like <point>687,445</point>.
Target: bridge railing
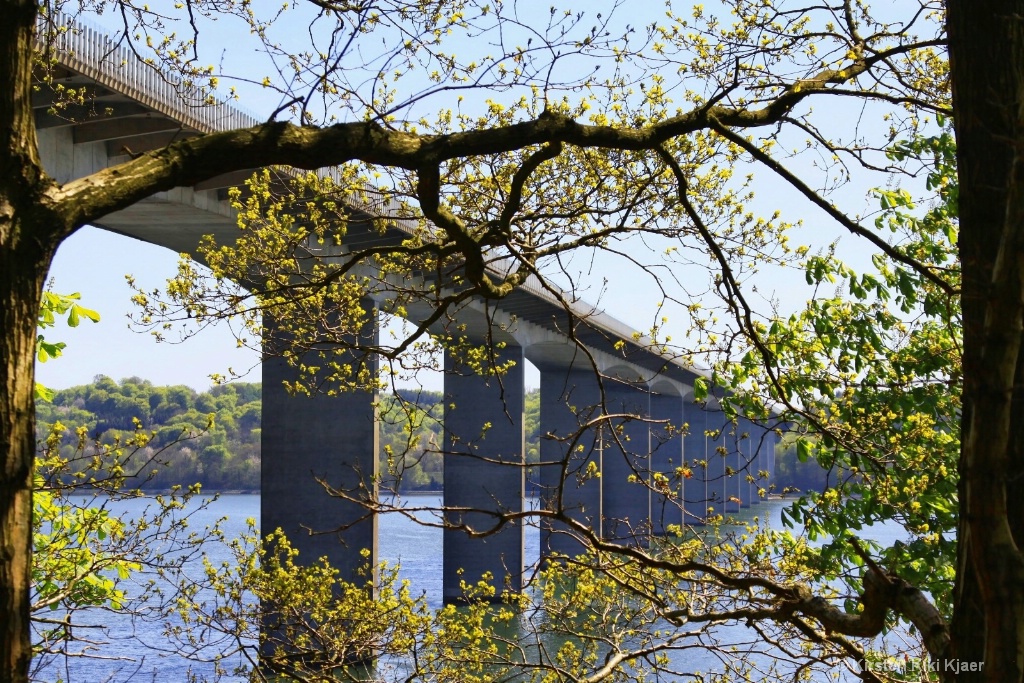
<point>92,52</point>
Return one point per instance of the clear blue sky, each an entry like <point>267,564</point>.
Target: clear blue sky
<point>94,262</point>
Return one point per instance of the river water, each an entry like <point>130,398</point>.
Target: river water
<point>413,547</point>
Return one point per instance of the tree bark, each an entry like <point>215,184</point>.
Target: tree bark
<point>20,285</point>
<point>28,239</point>
<point>987,60</point>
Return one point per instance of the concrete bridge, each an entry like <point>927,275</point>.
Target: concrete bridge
<point>641,490</point>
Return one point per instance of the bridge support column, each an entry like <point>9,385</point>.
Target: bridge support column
<point>331,438</point>
<point>768,462</point>
<point>695,494</point>
<point>747,456</point>
<point>758,446</point>
<point>569,398</point>
<point>484,470</point>
<point>705,491</point>
<point>626,478</point>
<point>732,484</point>
<point>667,494</point>
<point>717,450</point>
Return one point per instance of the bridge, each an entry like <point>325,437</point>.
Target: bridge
<point>644,485</point>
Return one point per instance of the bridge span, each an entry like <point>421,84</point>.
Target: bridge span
<point>627,480</point>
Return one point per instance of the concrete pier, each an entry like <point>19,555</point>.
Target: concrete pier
<point>330,438</point>
<point>758,444</point>
<point>626,477</point>
<point>695,491</point>
<point>717,455</point>
<point>732,484</point>
<point>747,455</point>
<point>704,446</point>
<point>667,494</point>
<point>483,471</point>
<point>569,399</point>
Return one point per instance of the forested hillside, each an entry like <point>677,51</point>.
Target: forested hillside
<point>224,454</point>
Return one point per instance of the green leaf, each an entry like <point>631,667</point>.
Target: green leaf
<point>700,389</point>
<point>46,350</point>
<point>804,449</point>
<point>86,313</point>
<point>44,393</point>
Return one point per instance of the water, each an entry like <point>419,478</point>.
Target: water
<point>133,647</point>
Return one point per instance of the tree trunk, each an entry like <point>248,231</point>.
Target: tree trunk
<point>28,239</point>
<point>20,285</point>
<point>987,53</point>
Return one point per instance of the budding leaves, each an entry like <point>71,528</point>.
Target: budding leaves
<point>46,350</point>
<point>700,389</point>
<point>51,307</point>
<point>54,305</point>
<point>804,450</point>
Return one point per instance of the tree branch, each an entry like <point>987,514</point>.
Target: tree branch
<point>188,162</point>
<point>831,210</point>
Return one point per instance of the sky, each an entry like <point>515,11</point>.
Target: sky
<point>94,263</point>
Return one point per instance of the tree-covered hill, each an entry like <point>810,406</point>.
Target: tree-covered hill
<point>224,454</point>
